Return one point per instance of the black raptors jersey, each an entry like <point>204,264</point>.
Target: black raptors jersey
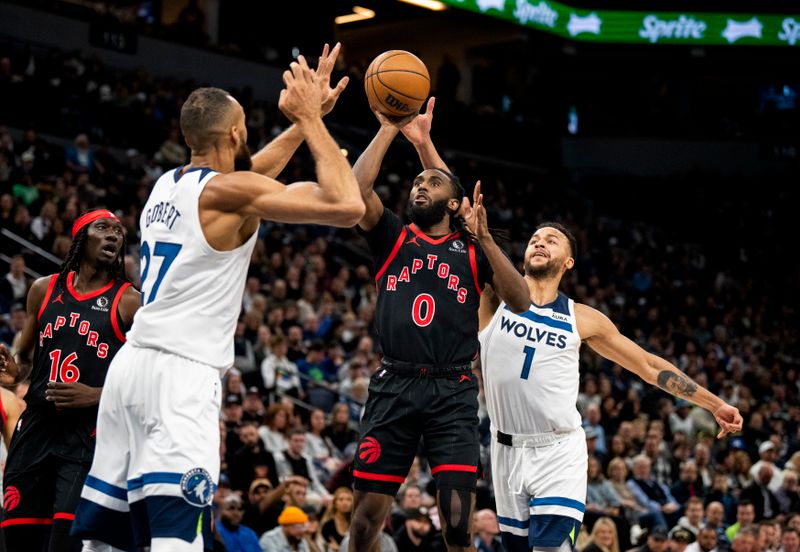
<point>77,337</point>
<point>428,292</point>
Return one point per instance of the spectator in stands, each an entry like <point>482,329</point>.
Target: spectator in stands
<point>680,419</point>
<point>339,431</point>
<point>335,523</point>
<point>693,515</point>
<point>767,531</point>
<point>293,461</point>
<point>80,157</point>
<point>603,537</point>
<point>487,531</point>
<point>790,540</point>
<point>715,519</point>
<point>745,541</point>
<point>654,449</point>
<point>788,495</point>
<point>592,421</point>
<point>745,517</point>
<point>232,414</point>
<point>237,537</point>
<point>288,536</point>
<point>652,495</point>
<point>14,285</point>
<point>719,493</point>
<point>279,373</point>
<point>706,541</point>
<point>319,447</point>
<point>702,459</point>
<point>768,455</point>
<point>253,407</point>
<point>313,535</point>
<point>617,476</point>
<point>688,485</point>
<point>679,539</point>
<point>251,460</point>
<point>656,540</point>
<point>276,425</point>
<point>417,533</point>
<point>758,493</point>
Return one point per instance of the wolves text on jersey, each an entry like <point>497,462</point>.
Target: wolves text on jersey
<point>442,270</point>
<point>83,328</point>
<point>533,334</point>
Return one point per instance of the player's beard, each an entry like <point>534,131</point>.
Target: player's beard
<point>425,217</point>
<point>549,270</point>
<point>243,160</point>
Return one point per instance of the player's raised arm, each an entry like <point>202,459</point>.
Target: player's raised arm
<point>418,132</point>
<point>272,158</point>
<point>334,199</point>
<point>507,281</point>
<point>369,164</point>
<point>602,336</point>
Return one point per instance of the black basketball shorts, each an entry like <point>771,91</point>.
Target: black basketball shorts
<point>401,408</point>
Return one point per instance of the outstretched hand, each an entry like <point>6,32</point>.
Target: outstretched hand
<point>475,214</point>
<point>418,130</point>
<point>326,65</point>
<point>301,100</point>
<point>729,420</point>
<point>395,122</point>
<point>8,366</point>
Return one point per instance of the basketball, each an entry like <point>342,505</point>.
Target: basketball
<point>397,83</point>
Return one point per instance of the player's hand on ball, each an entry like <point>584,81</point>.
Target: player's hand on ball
<point>419,129</point>
<point>301,100</point>
<point>326,65</point>
<point>729,420</point>
<point>395,122</point>
<point>72,395</point>
<point>475,214</point>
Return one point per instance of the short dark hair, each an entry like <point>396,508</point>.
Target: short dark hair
<point>573,243</point>
<point>202,111</point>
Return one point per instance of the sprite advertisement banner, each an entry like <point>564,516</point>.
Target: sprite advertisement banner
<point>643,27</point>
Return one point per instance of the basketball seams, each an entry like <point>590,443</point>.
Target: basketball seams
<point>374,71</point>
<point>395,90</point>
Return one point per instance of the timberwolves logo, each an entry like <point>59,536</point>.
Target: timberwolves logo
<point>457,246</point>
<point>197,487</point>
<point>101,304</point>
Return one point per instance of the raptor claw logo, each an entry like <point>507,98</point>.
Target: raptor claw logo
<point>369,450</point>
<point>10,498</point>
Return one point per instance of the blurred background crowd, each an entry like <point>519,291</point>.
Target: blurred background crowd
<point>692,271</point>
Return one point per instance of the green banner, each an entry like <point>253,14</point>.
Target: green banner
<point>642,27</point>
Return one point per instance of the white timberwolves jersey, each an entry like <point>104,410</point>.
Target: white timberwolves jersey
<point>191,293</point>
<point>530,368</point>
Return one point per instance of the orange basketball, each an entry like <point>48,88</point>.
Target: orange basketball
<point>397,83</point>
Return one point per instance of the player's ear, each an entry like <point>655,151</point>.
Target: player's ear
<point>569,263</point>
<point>454,205</point>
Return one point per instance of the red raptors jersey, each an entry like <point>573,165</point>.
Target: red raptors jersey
<point>428,292</point>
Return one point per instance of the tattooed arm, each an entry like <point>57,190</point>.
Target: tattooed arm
<point>600,334</point>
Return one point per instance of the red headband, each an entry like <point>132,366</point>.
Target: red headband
<point>90,217</point>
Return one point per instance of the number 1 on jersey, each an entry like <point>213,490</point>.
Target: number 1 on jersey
<point>526,365</point>
<point>162,249</point>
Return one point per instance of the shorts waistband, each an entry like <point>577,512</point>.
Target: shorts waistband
<point>530,440</point>
<point>423,370</point>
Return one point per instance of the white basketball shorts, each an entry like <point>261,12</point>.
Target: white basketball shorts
<point>157,460</point>
<point>540,486</point>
